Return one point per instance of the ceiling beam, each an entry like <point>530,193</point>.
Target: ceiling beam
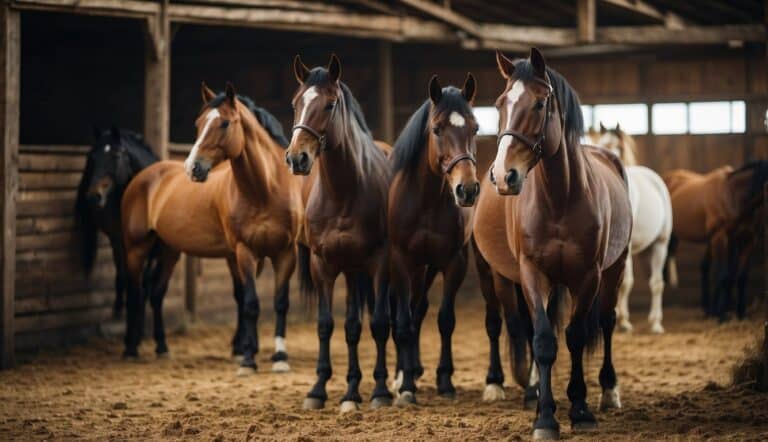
<point>586,19</point>
<point>444,14</point>
<point>640,7</point>
<point>657,35</point>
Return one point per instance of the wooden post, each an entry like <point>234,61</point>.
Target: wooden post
<point>585,11</point>
<point>157,81</point>
<point>10,61</point>
<point>386,93</point>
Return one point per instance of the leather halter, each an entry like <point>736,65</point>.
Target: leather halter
<point>536,145</point>
<point>455,160</point>
<point>321,138</point>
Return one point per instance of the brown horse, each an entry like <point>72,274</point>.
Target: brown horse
<point>430,222</point>
<point>245,210</point>
<point>713,208</point>
<point>345,221</point>
<point>567,227</point>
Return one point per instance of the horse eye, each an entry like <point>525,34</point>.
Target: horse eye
<point>436,130</point>
<point>539,105</point>
<point>224,124</point>
<point>330,105</point>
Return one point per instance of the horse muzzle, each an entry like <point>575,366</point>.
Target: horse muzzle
<point>298,164</point>
<point>466,194</point>
<point>198,172</point>
<point>512,184</point>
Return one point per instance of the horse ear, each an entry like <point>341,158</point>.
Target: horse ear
<point>539,65</point>
<point>506,67</point>
<point>618,127</point>
<point>435,90</point>
<point>206,93</point>
<point>334,68</point>
<point>114,132</point>
<point>602,128</point>
<point>299,69</point>
<point>470,88</point>
<point>229,90</point>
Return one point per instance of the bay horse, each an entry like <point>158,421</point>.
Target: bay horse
<point>430,212</point>
<point>345,222</point>
<point>713,208</point>
<point>246,209</point>
<point>651,227</point>
<point>566,226</point>
<point>116,156</point>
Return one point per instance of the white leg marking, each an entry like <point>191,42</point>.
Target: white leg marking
<point>656,283</point>
<point>533,377</point>
<point>493,393</point>
<point>611,398</point>
<point>280,344</point>
<point>189,163</point>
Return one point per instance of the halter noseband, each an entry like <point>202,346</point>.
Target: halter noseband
<point>321,138</point>
<point>455,160</point>
<point>537,145</point>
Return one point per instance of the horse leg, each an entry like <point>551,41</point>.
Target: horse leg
<point>520,332</point>
<point>742,277</point>
<point>136,258</point>
<point>118,257</point>
<point>284,265</point>
<point>622,309</point>
<point>246,263</point>
<point>166,261</point>
<point>656,283</point>
<point>237,291</point>
<point>705,267</point>
<point>725,265</point>
<point>352,329</point>
<point>538,289</point>
<point>380,325</point>
<point>420,311</point>
<point>453,276</point>
<point>577,335</point>
<point>612,276</point>
<point>404,327</point>
<point>323,279</point>
<point>494,379</point>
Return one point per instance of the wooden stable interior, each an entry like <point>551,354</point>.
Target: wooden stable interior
<point>68,65</point>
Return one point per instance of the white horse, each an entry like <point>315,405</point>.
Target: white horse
<point>651,226</point>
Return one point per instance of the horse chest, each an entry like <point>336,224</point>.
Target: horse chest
<point>265,235</point>
<point>433,238</point>
<point>553,247</point>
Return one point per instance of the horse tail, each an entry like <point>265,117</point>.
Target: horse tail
<point>520,333</point>
<point>670,264</point>
<point>86,228</point>
<point>306,285</point>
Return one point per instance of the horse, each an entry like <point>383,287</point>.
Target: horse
<point>430,212</point>
<point>651,227</point>
<point>714,208</point>
<point>116,156</point>
<point>559,220</point>
<point>345,222</point>
<point>246,209</point>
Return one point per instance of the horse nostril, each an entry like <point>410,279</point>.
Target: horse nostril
<point>460,191</point>
<point>303,159</point>
<point>511,178</point>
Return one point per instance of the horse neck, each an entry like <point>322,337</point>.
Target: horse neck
<point>341,165</point>
<point>560,179</point>
<point>255,169</point>
<point>628,153</point>
<point>426,183</point>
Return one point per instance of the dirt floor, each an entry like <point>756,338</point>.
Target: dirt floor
<point>673,388</point>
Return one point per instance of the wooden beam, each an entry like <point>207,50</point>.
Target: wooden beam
<point>586,19</point>
<point>642,8</point>
<point>157,78</point>
<point>282,4</point>
<point>529,35</point>
<point>120,8</point>
<point>374,5</point>
<point>444,14</point>
<point>10,89</point>
<point>657,35</point>
<point>386,93</point>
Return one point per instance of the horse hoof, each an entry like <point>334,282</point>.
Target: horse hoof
<point>405,399</point>
<point>657,329</point>
<point>493,393</point>
<point>348,406</point>
<point>237,359</point>
<point>530,404</point>
<point>245,370</point>
<point>397,382</point>
<point>281,367</point>
<point>584,425</point>
<point>380,402</point>
<point>610,399</point>
<point>130,356</point>
<point>625,326</point>
<point>313,403</point>
<point>546,434</point>
<point>164,355</point>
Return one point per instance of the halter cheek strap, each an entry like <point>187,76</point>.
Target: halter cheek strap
<point>455,160</point>
<point>321,139</point>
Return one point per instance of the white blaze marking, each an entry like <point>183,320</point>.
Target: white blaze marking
<point>280,344</point>
<point>107,147</point>
<point>513,95</point>
<point>456,119</point>
<point>190,161</point>
<point>309,95</point>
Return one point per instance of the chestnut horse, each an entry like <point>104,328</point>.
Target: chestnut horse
<point>651,227</point>
<point>430,223</point>
<point>567,228</point>
<point>711,208</point>
<point>345,222</point>
<point>245,210</point>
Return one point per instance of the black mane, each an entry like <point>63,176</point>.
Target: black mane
<point>266,120</point>
<point>567,99</point>
<point>759,170</point>
<point>413,138</point>
<point>319,77</point>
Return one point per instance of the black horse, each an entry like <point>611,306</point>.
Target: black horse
<point>116,156</point>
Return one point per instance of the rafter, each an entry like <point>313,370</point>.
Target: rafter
<point>586,20</point>
<point>656,35</point>
<point>640,7</point>
<point>444,14</point>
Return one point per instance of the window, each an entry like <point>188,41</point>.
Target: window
<point>717,117</point>
<point>487,120</point>
<point>586,112</point>
<point>669,118</point>
<point>632,117</point>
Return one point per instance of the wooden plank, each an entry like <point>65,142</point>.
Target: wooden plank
<point>585,20</point>
<point>284,4</point>
<point>386,93</point>
<point>57,149</point>
<point>37,162</point>
<point>157,82</point>
<point>657,35</point>
<point>640,7</point>
<point>529,35</point>
<point>48,181</point>
<point>119,8</point>
<point>50,304</point>
<point>10,64</point>
<point>446,15</point>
